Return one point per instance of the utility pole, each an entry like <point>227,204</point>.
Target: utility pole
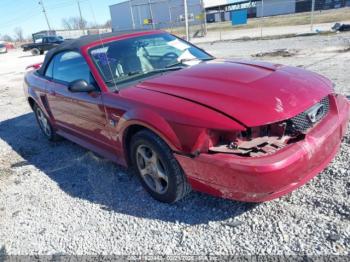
<point>312,15</point>
<point>186,21</point>
<point>81,18</point>
<point>44,11</point>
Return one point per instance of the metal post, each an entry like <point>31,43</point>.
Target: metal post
<point>312,15</point>
<point>132,15</point>
<point>186,21</point>
<point>220,21</point>
<point>204,18</point>
<point>170,16</point>
<point>151,13</point>
<point>262,18</point>
<point>139,13</point>
<point>81,18</point>
<point>44,11</point>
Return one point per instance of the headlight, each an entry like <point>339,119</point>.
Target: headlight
<point>256,141</point>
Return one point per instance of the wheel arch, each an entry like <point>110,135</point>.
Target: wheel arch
<point>31,102</point>
<point>133,122</point>
<point>41,102</point>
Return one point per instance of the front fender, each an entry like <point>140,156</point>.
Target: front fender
<point>151,120</point>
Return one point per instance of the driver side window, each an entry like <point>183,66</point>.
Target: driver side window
<point>70,66</point>
<point>49,69</point>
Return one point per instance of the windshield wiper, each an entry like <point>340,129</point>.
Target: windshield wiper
<point>183,61</point>
<point>160,70</point>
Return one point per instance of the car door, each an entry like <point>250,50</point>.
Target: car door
<point>80,114</point>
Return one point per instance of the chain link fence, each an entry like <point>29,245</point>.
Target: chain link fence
<point>267,18</point>
<point>159,14</point>
<point>235,19</point>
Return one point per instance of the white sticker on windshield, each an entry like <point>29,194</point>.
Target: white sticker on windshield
<point>191,59</point>
<point>178,44</point>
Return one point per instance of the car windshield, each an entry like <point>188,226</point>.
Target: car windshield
<point>2,45</point>
<point>124,61</point>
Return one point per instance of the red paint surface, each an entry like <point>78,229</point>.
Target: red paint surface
<point>9,45</point>
<point>34,66</point>
<point>185,107</point>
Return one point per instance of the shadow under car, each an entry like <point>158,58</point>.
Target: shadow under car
<point>82,174</point>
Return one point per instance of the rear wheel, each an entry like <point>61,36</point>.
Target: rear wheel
<point>157,168</point>
<point>35,51</point>
<point>45,124</point>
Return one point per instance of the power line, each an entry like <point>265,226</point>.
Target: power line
<point>20,19</point>
<point>57,6</point>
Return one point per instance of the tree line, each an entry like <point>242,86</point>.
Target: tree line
<point>73,23</point>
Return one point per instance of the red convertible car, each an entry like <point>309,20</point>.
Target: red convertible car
<point>182,120</point>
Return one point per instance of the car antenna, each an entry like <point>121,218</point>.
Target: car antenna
<point>99,36</point>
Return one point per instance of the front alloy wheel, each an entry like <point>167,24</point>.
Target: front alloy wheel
<point>159,172</point>
<point>152,169</point>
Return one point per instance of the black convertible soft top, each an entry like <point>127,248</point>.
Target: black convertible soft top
<point>76,44</point>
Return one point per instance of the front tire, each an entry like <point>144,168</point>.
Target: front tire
<point>44,124</point>
<point>159,172</point>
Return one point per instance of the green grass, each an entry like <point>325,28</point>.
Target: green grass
<point>325,16</point>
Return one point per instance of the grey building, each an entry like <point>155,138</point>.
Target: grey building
<point>154,14</point>
<point>274,7</point>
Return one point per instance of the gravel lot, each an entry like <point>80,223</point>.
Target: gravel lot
<point>58,198</point>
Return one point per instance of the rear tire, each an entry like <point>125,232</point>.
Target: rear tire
<point>35,51</point>
<point>44,124</point>
<point>158,170</point>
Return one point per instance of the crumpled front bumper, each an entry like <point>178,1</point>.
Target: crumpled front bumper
<point>265,178</point>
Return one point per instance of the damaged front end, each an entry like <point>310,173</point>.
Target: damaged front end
<point>268,139</point>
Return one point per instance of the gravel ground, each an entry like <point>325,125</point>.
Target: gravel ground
<point>58,198</point>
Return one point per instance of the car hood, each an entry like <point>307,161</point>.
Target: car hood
<point>253,93</point>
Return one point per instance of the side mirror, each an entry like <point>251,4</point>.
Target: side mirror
<point>81,86</point>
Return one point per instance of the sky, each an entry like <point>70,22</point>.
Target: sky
<point>28,15</point>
